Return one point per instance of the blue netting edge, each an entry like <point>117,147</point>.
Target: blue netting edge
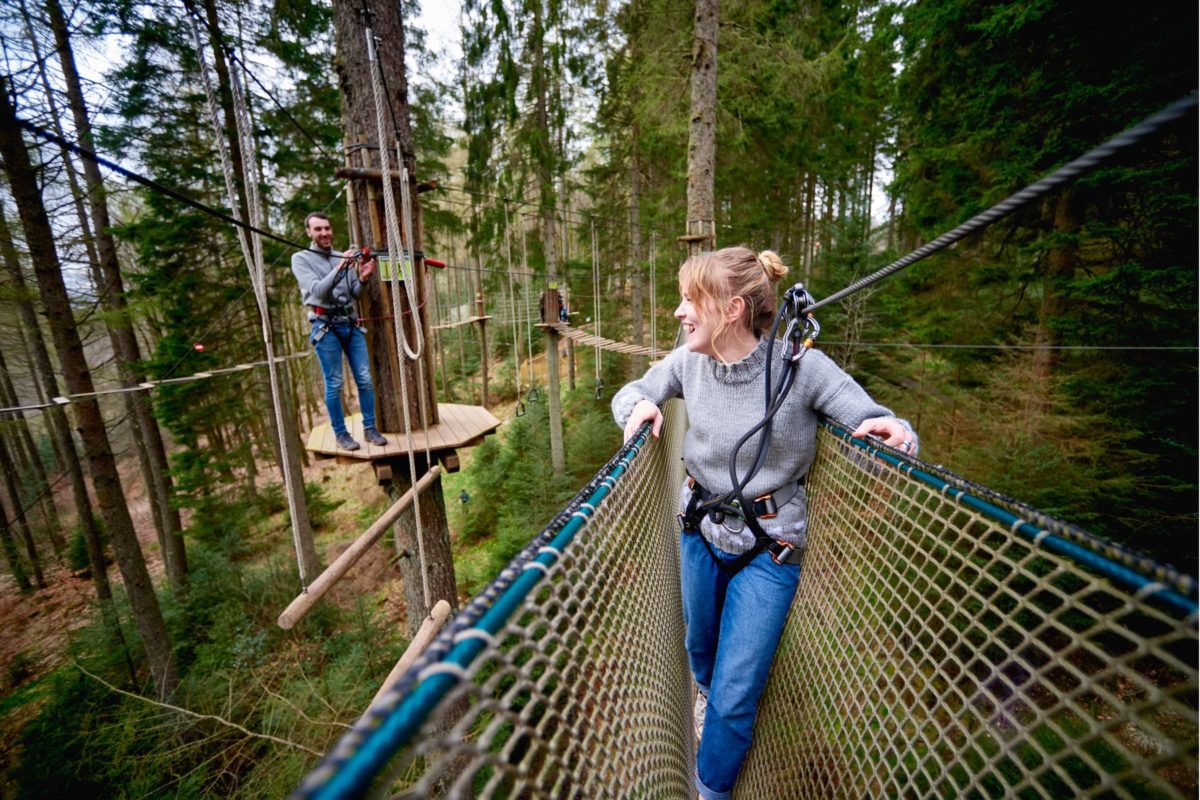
<point>1142,575</point>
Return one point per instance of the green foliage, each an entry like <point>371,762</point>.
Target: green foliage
<point>515,493</point>
<point>77,553</point>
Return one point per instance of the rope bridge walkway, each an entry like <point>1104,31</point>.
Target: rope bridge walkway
<point>945,641</point>
<point>591,340</point>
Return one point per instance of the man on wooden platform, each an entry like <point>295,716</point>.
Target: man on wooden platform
<point>330,283</point>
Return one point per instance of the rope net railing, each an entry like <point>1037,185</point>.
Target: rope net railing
<point>945,642</point>
<point>943,645</point>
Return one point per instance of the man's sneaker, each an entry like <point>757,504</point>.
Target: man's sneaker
<point>374,437</point>
<point>698,712</point>
<point>346,442</point>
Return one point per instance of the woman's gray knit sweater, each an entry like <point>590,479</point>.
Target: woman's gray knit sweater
<point>724,401</point>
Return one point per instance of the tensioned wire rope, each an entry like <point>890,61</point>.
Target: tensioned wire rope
<point>1073,169</point>
<point>67,399</point>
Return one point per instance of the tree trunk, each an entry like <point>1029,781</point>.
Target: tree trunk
<point>701,233</point>
<point>8,470</point>
<point>1062,259</point>
<point>439,563</point>
<point>60,429</point>
<point>543,158</point>
<point>359,124</point>
<point>15,567</point>
<point>22,182</point>
<point>637,362</point>
<point>23,439</point>
<point>147,436</point>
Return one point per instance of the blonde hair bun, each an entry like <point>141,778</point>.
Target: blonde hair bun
<point>773,265</point>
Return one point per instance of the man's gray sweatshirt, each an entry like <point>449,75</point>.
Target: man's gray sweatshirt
<point>725,401</point>
<point>321,284</point>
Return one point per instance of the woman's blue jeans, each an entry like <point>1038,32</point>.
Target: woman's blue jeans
<point>733,629</point>
<point>344,337</point>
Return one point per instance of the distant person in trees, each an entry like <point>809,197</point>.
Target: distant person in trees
<point>738,582</point>
<point>330,283</point>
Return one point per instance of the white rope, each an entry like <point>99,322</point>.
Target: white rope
<point>653,297</point>
<point>527,279</point>
<point>422,400</point>
<point>400,250</point>
<point>253,255</point>
<point>512,303</point>
<point>596,300</point>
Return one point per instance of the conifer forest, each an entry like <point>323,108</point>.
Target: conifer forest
<point>162,502</point>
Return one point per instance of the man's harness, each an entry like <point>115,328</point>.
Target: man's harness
<point>329,315</point>
<point>801,330</point>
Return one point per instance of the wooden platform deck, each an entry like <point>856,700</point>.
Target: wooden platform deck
<point>459,426</point>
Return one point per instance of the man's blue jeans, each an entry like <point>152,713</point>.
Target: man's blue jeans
<point>344,337</point>
<point>733,629</point>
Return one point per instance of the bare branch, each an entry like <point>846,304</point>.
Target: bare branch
<point>196,715</point>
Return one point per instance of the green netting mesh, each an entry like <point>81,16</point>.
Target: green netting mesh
<point>934,650</point>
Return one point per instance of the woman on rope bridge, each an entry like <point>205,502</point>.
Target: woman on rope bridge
<point>737,583</point>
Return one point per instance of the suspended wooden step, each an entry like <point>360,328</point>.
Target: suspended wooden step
<point>458,426</point>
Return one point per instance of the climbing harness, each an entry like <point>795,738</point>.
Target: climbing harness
<point>800,330</point>
<point>735,518</point>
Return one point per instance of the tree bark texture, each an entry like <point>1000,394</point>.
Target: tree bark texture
<point>636,261</point>
<point>9,545</point>
<point>147,436</point>
<point>702,130</point>
<point>8,470</point>
<point>359,122</point>
<point>360,127</point>
<point>23,440</point>
<point>543,158</point>
<point>60,429</point>
<point>438,562</point>
<point>38,236</point>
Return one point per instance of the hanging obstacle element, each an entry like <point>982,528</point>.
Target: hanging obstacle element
<point>945,641</point>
